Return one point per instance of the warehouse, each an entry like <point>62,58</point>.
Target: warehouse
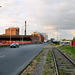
<point>8,39</point>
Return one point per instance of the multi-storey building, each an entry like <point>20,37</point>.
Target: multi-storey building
<point>41,37</point>
<point>45,36</point>
<point>12,31</point>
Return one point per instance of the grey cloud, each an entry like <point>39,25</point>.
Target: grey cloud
<point>60,14</point>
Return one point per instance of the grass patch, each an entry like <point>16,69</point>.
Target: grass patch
<point>44,73</point>
<point>48,59</point>
<point>28,73</point>
<point>53,71</point>
<point>38,58</point>
<point>31,64</point>
<point>51,44</point>
<point>62,62</point>
<point>62,72</point>
<point>49,67</point>
<point>59,58</point>
<point>68,50</point>
<point>67,67</point>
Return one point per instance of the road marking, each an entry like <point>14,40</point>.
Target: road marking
<point>1,56</point>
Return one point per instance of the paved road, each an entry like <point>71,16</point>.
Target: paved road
<point>12,60</point>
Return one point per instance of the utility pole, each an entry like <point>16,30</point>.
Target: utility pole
<point>10,35</point>
<point>22,35</point>
<point>25,27</point>
<point>57,34</point>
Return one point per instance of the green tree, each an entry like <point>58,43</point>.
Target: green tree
<point>63,39</point>
<point>74,39</point>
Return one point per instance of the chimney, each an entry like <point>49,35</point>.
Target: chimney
<point>25,27</point>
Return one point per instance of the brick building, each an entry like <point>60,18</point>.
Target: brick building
<point>41,37</point>
<point>45,36</point>
<point>12,31</point>
<point>21,39</point>
<point>5,39</point>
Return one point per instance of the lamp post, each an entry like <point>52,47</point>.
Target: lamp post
<point>10,35</point>
<point>22,35</point>
<point>57,34</point>
<point>22,39</point>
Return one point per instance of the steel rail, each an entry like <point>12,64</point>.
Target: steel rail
<point>66,57</point>
<point>55,62</point>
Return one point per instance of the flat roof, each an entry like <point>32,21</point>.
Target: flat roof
<point>16,36</point>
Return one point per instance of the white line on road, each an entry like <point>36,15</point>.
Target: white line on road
<point>1,56</point>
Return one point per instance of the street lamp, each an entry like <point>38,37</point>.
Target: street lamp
<point>22,39</point>
<point>22,35</point>
<point>57,34</point>
<point>10,35</point>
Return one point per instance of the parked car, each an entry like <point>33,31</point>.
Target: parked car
<point>14,45</point>
<point>67,44</point>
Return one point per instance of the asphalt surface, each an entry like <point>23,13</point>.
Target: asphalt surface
<point>13,60</point>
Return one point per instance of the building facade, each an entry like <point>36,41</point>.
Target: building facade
<point>21,39</point>
<point>45,36</point>
<point>12,31</point>
<point>41,37</point>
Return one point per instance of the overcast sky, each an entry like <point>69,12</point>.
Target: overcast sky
<point>45,16</point>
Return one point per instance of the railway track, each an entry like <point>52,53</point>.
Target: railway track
<point>64,65</point>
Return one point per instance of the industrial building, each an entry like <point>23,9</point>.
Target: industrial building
<point>42,36</point>
<point>12,36</point>
<point>21,39</point>
<point>12,31</point>
<point>45,36</point>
